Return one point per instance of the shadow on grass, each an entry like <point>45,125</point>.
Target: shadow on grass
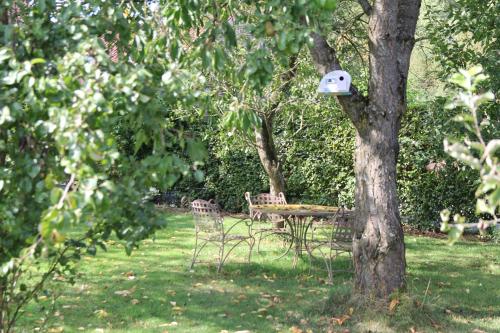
<point>153,288</point>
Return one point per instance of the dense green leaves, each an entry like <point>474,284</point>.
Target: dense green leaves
<point>464,33</point>
<point>474,151</point>
<point>71,77</point>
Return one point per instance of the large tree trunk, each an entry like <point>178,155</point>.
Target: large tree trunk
<point>268,156</point>
<point>378,242</point>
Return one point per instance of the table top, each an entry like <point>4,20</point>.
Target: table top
<point>297,210</point>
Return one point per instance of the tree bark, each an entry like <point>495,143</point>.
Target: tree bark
<point>264,134</point>
<point>378,241</point>
<point>269,157</point>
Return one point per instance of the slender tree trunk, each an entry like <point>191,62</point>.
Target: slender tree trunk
<point>269,157</point>
<point>264,135</point>
<point>378,241</point>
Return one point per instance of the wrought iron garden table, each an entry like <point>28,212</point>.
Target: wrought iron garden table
<point>299,218</point>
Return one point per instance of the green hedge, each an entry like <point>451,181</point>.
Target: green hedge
<point>318,165</point>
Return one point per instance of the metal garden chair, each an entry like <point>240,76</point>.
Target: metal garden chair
<point>209,228</point>
<point>275,223</point>
<point>331,238</point>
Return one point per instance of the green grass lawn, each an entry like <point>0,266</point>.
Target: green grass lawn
<point>450,289</point>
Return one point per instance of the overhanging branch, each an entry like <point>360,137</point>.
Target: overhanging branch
<point>325,59</point>
<point>367,8</point>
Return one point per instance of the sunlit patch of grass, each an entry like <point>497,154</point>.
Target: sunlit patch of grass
<point>450,289</point>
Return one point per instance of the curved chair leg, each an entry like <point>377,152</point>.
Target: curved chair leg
<point>221,257</point>
<point>251,244</point>
<point>286,252</point>
<point>262,236</point>
<point>260,240</point>
<point>265,234</point>
<point>197,252</point>
<point>226,255</point>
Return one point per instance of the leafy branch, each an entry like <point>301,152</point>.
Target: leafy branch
<point>476,152</point>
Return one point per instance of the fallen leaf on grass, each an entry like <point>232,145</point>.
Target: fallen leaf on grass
<point>393,304</point>
<point>262,311</point>
<point>174,323</point>
<point>101,313</point>
<point>264,302</point>
<point>341,320</point>
<point>477,330</point>
<point>437,326</point>
<point>295,329</point>
<point>177,309</point>
<point>126,292</point>
<point>134,301</point>
<point>443,284</point>
<point>267,278</point>
<point>58,329</point>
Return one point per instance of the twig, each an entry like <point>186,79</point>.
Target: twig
<point>478,224</point>
<point>426,290</point>
<point>66,190</point>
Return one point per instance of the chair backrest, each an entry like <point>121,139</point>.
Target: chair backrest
<point>265,199</point>
<point>342,227</point>
<point>207,216</point>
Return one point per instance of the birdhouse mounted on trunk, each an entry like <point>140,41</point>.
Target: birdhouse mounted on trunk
<point>335,83</point>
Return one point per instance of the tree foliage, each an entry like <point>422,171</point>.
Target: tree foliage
<point>96,98</point>
<point>62,96</point>
<point>475,151</point>
<point>463,33</point>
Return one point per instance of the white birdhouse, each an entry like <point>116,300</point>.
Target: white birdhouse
<point>335,83</point>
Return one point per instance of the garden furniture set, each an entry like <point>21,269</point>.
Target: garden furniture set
<point>321,231</point>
